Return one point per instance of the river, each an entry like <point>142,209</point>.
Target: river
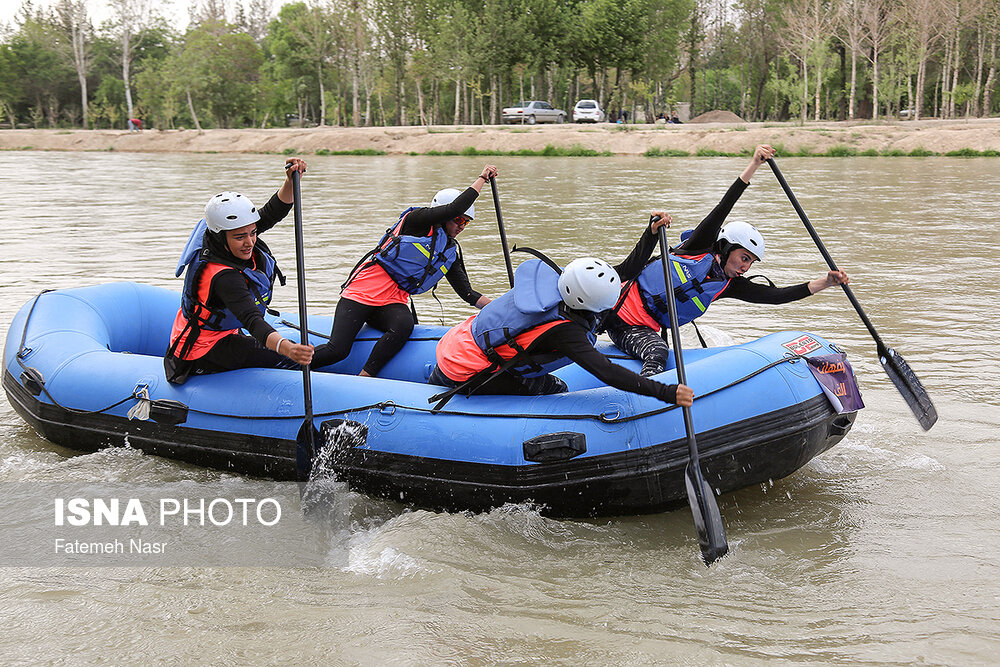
<point>882,551</point>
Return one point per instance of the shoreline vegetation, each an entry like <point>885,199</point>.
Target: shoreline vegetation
<point>974,137</point>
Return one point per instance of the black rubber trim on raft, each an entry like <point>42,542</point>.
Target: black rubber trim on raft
<point>648,479</point>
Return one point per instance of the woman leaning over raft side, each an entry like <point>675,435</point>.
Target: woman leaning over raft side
<point>419,250</point>
<point>227,286</point>
<point>709,264</point>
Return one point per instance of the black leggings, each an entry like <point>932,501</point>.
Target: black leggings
<point>395,321</point>
<point>640,342</point>
<point>230,353</point>
<point>506,384</point>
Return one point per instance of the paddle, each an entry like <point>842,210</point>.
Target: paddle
<point>308,435</point>
<point>895,366</point>
<point>701,497</point>
<point>503,234</point>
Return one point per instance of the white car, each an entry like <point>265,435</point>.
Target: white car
<point>588,110</point>
<point>533,112</point>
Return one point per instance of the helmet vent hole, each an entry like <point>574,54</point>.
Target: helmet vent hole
<point>226,199</point>
<point>231,217</point>
<point>601,274</point>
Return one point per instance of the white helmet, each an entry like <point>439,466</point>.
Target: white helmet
<point>589,284</point>
<point>744,235</point>
<point>447,196</point>
<point>229,210</point>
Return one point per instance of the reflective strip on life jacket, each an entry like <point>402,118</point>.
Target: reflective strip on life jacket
<point>683,278</point>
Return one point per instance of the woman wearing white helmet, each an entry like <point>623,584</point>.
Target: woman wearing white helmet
<point>709,265</point>
<point>229,276</point>
<point>546,321</point>
<point>411,258</point>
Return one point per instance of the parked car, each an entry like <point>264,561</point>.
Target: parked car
<point>588,110</point>
<point>293,120</point>
<point>533,112</point>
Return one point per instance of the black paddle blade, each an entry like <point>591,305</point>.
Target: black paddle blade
<point>909,386</point>
<point>305,450</point>
<point>707,519</point>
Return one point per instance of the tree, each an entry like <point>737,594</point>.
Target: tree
<point>315,33</point>
<point>130,17</point>
<point>809,24</point>
<point>851,33</point>
<point>76,26</point>
<point>878,17</point>
<point>922,18</point>
<point>394,22</point>
<point>219,67</point>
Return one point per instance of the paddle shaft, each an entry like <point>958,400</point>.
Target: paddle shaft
<point>675,337</point>
<point>826,255</point>
<point>704,510</point>
<point>300,279</point>
<point>503,233</point>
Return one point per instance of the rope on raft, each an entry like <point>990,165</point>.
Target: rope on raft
<point>603,417</point>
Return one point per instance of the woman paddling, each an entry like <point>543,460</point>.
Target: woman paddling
<point>227,286</point>
<point>546,321</point>
<point>708,265</point>
<point>413,255</point>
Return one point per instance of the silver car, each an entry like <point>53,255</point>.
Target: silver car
<point>533,112</point>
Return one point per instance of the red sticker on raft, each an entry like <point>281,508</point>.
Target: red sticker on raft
<point>802,345</point>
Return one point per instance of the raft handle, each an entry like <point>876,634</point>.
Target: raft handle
<point>32,380</point>
<point>550,447</point>
<point>165,411</point>
<point>840,426</point>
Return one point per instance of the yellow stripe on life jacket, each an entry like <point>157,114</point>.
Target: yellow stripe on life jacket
<point>683,278</point>
<point>426,253</point>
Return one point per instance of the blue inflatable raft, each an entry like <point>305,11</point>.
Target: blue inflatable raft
<point>84,367</point>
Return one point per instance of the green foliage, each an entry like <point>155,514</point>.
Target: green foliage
<point>353,151</point>
<point>708,152</point>
<point>549,151</point>
<point>921,152</point>
<point>666,152</point>
<point>458,61</point>
<point>841,151</point>
<point>971,152</point>
<point>220,67</point>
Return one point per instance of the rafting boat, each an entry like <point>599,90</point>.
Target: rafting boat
<point>84,367</point>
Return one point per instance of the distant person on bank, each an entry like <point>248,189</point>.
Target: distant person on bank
<point>228,278</point>
<point>708,265</point>
<point>411,258</point>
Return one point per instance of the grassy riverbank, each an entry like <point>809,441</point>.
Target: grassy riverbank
<point>964,138</point>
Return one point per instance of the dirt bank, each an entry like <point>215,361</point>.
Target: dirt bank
<point>937,136</point>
